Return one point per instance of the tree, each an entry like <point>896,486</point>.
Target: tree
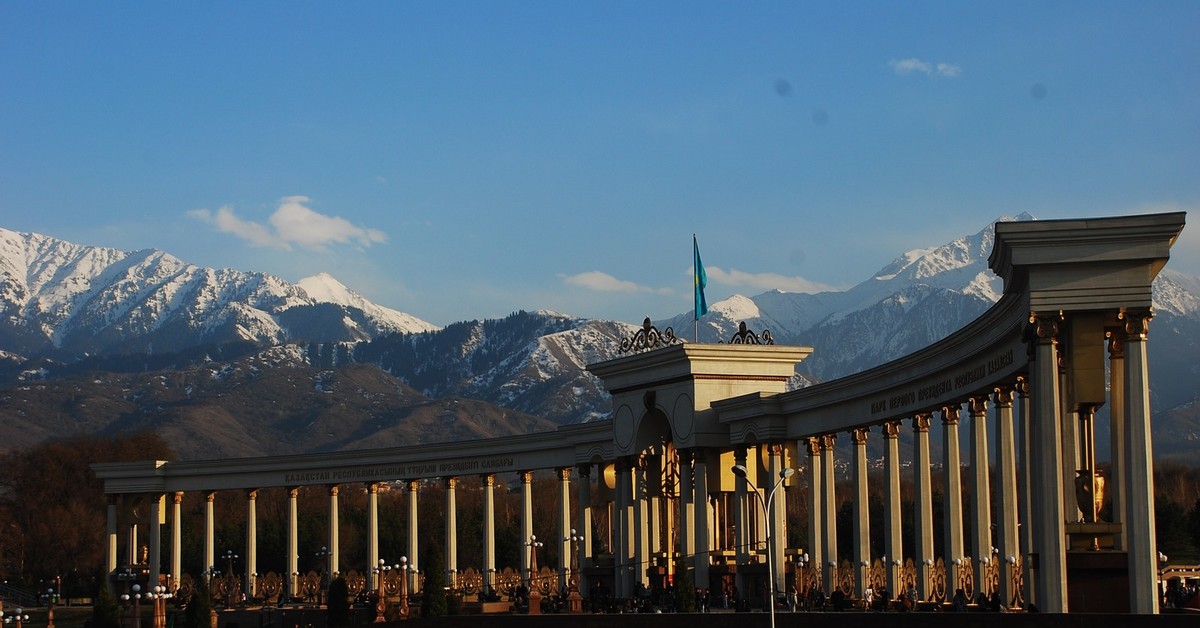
<point>198,612</point>
<point>105,612</point>
<point>339,603</point>
<point>433,598</point>
<point>685,588</point>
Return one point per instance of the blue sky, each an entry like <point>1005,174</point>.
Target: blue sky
<point>461,160</point>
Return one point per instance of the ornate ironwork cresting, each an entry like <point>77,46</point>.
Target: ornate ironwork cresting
<point>648,337</point>
<point>746,337</point>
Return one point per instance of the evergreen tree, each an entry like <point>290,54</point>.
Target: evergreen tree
<point>339,603</point>
<point>433,598</point>
<point>198,613</point>
<point>685,588</point>
<point>105,612</point>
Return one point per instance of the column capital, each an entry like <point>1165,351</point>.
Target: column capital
<point>1045,325</point>
<point>1137,323</point>
<point>890,429</point>
<point>210,496</point>
<point>584,469</point>
<point>921,421</point>
<point>950,414</point>
<point>814,446</point>
<point>414,486</point>
<point>859,435</point>
<point>252,494</point>
<point>177,497</point>
<point>775,449</point>
<point>526,477</point>
<point>977,406</point>
<point>1002,396</point>
<point>293,492</point>
<point>1022,386</point>
<point>489,480</point>
<point>686,456</point>
<point>373,487</point>
<point>827,442</point>
<point>334,489</point>
<point>564,474</point>
<point>1116,343</point>
<point>450,483</point>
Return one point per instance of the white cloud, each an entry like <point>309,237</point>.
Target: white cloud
<point>760,282</point>
<point>604,282</point>
<point>291,223</point>
<point>908,66</point>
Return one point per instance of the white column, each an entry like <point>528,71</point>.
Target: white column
<point>210,552</point>
<point>176,539</point>
<point>155,553</point>
<point>564,526</point>
<point>641,541</point>
<point>981,491</point>
<point>1116,412</point>
<point>741,524</point>
<point>335,563</point>
<point>293,542</point>
<point>583,502</point>
<point>526,517</point>
<point>1140,534</point>
<point>489,530</point>
<point>622,547</point>
<point>777,517</point>
<point>373,531</point>
<point>862,520</point>
<point>700,512</point>
<point>1046,513</point>
<point>251,542</point>
<point>830,511</point>
<point>893,539</point>
<point>451,485</point>
<point>111,553</point>
<point>1006,499</point>
<point>923,498</point>
<point>816,518</point>
<point>1024,491</point>
<point>414,516</point>
<point>687,512</point>
<point>952,527</point>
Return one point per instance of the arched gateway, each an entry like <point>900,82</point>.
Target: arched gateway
<point>1068,336</point>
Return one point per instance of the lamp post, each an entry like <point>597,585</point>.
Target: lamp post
<point>535,597</point>
<point>381,596</point>
<point>322,557</point>
<point>787,472</point>
<point>136,598</point>
<point>18,619</point>
<point>50,598</point>
<point>230,579</point>
<point>803,559</point>
<point>403,566</point>
<point>574,600</point>
<point>159,596</point>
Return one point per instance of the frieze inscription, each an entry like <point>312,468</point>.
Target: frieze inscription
<point>398,471</point>
<point>938,388</point>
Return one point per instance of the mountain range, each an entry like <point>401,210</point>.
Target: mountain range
<point>96,340</point>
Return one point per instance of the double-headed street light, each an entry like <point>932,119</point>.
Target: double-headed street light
<point>787,472</point>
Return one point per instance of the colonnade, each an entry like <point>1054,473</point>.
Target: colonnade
<point>1067,338</point>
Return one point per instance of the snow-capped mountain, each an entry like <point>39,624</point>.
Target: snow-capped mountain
<point>65,300</point>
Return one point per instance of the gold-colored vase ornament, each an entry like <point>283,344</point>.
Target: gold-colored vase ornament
<point>1089,494</point>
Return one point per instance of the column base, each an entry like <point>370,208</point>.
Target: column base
<point>1098,581</point>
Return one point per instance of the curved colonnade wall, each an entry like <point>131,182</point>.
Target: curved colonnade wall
<point>1025,380</point>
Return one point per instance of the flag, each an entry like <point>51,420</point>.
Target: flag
<point>701,280</point>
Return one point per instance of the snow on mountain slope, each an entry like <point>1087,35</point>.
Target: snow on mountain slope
<point>59,298</point>
<point>325,288</point>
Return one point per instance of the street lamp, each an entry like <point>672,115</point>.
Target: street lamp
<point>803,558</point>
<point>403,567</point>
<point>574,600</point>
<point>787,472</point>
<point>18,619</point>
<point>136,598</point>
<point>381,601</point>
<point>535,597</point>
<point>230,579</point>
<point>49,597</point>
<point>159,596</point>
